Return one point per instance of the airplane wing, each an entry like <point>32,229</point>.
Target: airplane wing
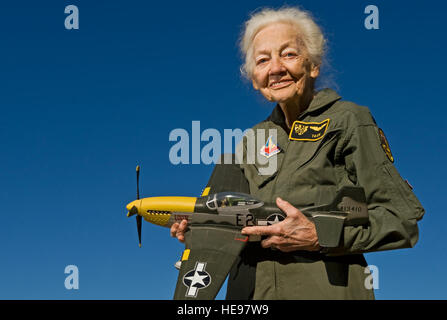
<point>215,250</point>
<point>205,267</point>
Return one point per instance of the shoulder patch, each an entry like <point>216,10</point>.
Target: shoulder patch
<point>385,145</point>
<point>308,131</point>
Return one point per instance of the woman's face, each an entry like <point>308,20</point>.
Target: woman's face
<point>282,68</point>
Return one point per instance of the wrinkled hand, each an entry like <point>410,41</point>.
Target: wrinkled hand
<point>295,232</point>
<point>178,230</point>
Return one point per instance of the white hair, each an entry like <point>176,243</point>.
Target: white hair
<point>310,34</point>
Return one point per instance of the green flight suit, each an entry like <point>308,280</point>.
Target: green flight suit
<point>347,150</point>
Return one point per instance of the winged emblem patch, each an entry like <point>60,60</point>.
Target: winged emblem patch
<point>308,131</point>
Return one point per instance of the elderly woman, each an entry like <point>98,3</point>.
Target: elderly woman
<point>324,143</point>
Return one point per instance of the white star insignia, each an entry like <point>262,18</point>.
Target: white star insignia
<point>196,278</point>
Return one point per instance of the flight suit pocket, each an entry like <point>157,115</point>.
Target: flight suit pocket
<point>262,179</point>
<point>408,202</point>
<point>260,176</point>
<point>308,150</point>
<point>261,168</point>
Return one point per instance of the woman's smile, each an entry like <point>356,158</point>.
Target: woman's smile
<point>281,84</point>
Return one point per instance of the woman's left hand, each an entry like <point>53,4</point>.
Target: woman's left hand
<point>295,232</point>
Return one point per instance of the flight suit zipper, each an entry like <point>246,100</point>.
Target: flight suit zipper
<point>275,180</point>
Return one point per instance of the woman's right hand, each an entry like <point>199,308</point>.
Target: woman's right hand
<point>178,230</point>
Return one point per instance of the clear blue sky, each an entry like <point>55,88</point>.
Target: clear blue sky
<point>81,108</point>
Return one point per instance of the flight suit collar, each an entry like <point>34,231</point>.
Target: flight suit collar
<point>323,98</point>
<point>278,118</point>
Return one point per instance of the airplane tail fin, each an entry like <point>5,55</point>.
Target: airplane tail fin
<point>348,208</point>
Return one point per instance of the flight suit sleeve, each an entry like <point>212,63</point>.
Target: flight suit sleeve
<point>392,206</point>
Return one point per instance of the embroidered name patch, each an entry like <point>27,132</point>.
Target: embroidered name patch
<point>385,145</point>
<point>308,131</point>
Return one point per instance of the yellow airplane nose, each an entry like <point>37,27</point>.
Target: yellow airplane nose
<point>168,204</point>
<point>158,210</point>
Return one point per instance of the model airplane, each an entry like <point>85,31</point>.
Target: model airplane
<point>214,239</point>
